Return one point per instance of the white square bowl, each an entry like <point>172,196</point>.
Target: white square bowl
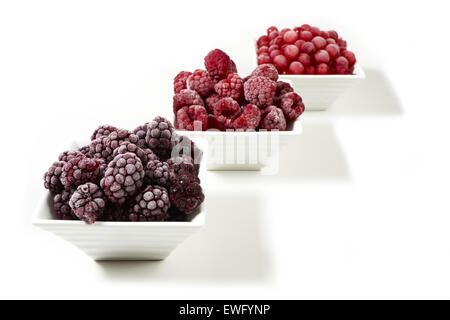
<point>121,240</point>
<point>319,92</point>
<point>245,150</point>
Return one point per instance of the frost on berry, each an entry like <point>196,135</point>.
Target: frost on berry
<point>141,132</point>
<point>185,193</point>
<point>103,148</point>
<point>218,64</point>
<point>192,118</point>
<point>211,101</point>
<point>180,81</point>
<point>226,110</point>
<point>260,91</point>
<point>232,87</point>
<point>126,146</point>
<point>181,163</point>
<point>158,173</point>
<point>249,118</point>
<point>52,180</point>
<point>282,88</point>
<point>292,105</point>
<point>266,70</point>
<point>67,155</point>
<point>151,204</point>
<point>186,98</point>
<point>103,131</point>
<point>159,135</point>
<point>80,170</point>
<point>61,206</point>
<point>272,118</point>
<point>88,202</point>
<point>201,82</point>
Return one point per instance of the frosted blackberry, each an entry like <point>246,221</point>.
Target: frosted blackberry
<point>183,145</point>
<point>150,205</point>
<point>103,148</point>
<point>141,132</point>
<point>123,177</point>
<point>80,170</point>
<point>103,131</point>
<point>61,206</point>
<point>158,173</point>
<point>67,155</point>
<point>131,147</point>
<point>88,202</point>
<point>84,150</point>
<point>150,154</point>
<point>180,164</point>
<point>51,177</point>
<point>115,212</point>
<point>159,135</point>
<point>186,193</point>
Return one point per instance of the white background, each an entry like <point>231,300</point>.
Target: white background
<point>359,209</point>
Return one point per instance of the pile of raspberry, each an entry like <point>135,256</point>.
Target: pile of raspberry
<point>219,99</point>
<point>121,175</point>
<point>305,50</point>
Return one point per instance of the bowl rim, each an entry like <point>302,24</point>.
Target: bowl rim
<point>198,221</point>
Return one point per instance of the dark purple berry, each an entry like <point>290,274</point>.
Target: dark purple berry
<point>150,205</point>
<point>186,193</point>
<point>88,202</point>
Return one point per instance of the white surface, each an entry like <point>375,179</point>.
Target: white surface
<point>358,210</point>
<point>120,240</point>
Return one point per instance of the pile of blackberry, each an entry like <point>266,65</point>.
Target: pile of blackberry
<point>218,98</point>
<point>123,175</point>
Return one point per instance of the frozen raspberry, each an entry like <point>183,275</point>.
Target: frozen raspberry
<point>232,87</point>
<point>280,62</point>
<point>141,132</point>
<point>158,173</point>
<point>123,177</point>
<point>226,110</point>
<point>192,118</point>
<point>67,155</point>
<point>103,131</point>
<point>249,118</point>
<point>219,64</point>
<point>282,88</point>
<point>84,150</point>
<point>88,202</point>
<point>115,212</point>
<point>214,123</point>
<point>181,163</point>
<point>180,81</point>
<point>61,205</point>
<point>296,68</point>
<point>211,101</point>
<point>186,98</point>
<point>186,193</point>
<point>80,170</point>
<point>272,118</point>
<point>151,204</point>
<point>52,180</point>
<point>266,70</point>
<point>260,91</point>
<point>292,105</point>
<point>126,146</point>
<point>201,82</point>
<point>159,136</point>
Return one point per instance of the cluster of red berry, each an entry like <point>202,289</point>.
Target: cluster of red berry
<point>218,98</point>
<point>305,50</point>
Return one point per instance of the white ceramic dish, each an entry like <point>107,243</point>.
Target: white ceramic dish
<point>236,150</point>
<point>122,240</point>
<point>319,92</point>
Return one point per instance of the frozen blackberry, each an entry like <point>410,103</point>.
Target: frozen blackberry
<point>150,205</point>
<point>150,155</point>
<point>88,202</point>
<point>123,177</point>
<point>103,148</point>
<point>192,118</point>
<point>232,87</point>
<point>211,101</point>
<point>266,70</point>
<point>186,98</point>
<point>226,110</point>
<point>61,206</point>
<point>67,155</point>
<point>260,91</point>
<point>272,118</point>
<point>115,212</point>
<point>291,104</point>
<point>186,193</point>
<point>201,82</point>
<point>283,88</point>
<point>180,81</point>
<point>180,164</point>
<point>141,131</point>
<point>218,64</point>
<point>159,136</point>
<point>84,150</point>
<point>182,145</point>
<point>158,173</point>
<point>126,146</point>
<point>52,180</point>
<point>80,170</point>
<point>103,131</point>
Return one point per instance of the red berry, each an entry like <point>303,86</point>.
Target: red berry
<point>305,59</point>
<point>280,62</point>
<point>213,123</point>
<point>232,87</point>
<point>319,42</point>
<point>201,82</point>
<point>308,48</point>
<point>249,118</point>
<point>290,36</point>
<point>226,110</point>
<point>333,50</point>
<point>291,52</point>
<point>310,70</point>
<point>306,27</point>
<point>274,53</point>
<point>341,43</point>
<point>350,56</point>
<point>273,35</point>
<point>296,68</point>
<point>193,117</point>
<point>322,56</point>
<point>271,29</point>
<point>283,46</point>
<point>180,81</point>
<point>315,31</point>
<point>292,105</point>
<point>298,30</point>
<point>263,58</point>
<point>283,31</point>
<point>273,47</point>
<point>263,49</point>
<point>278,41</point>
<point>324,34</point>
<point>322,68</point>
<point>299,43</point>
<point>333,34</point>
<point>341,65</point>
<point>331,41</point>
<point>306,36</point>
<point>263,41</point>
<point>266,70</point>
